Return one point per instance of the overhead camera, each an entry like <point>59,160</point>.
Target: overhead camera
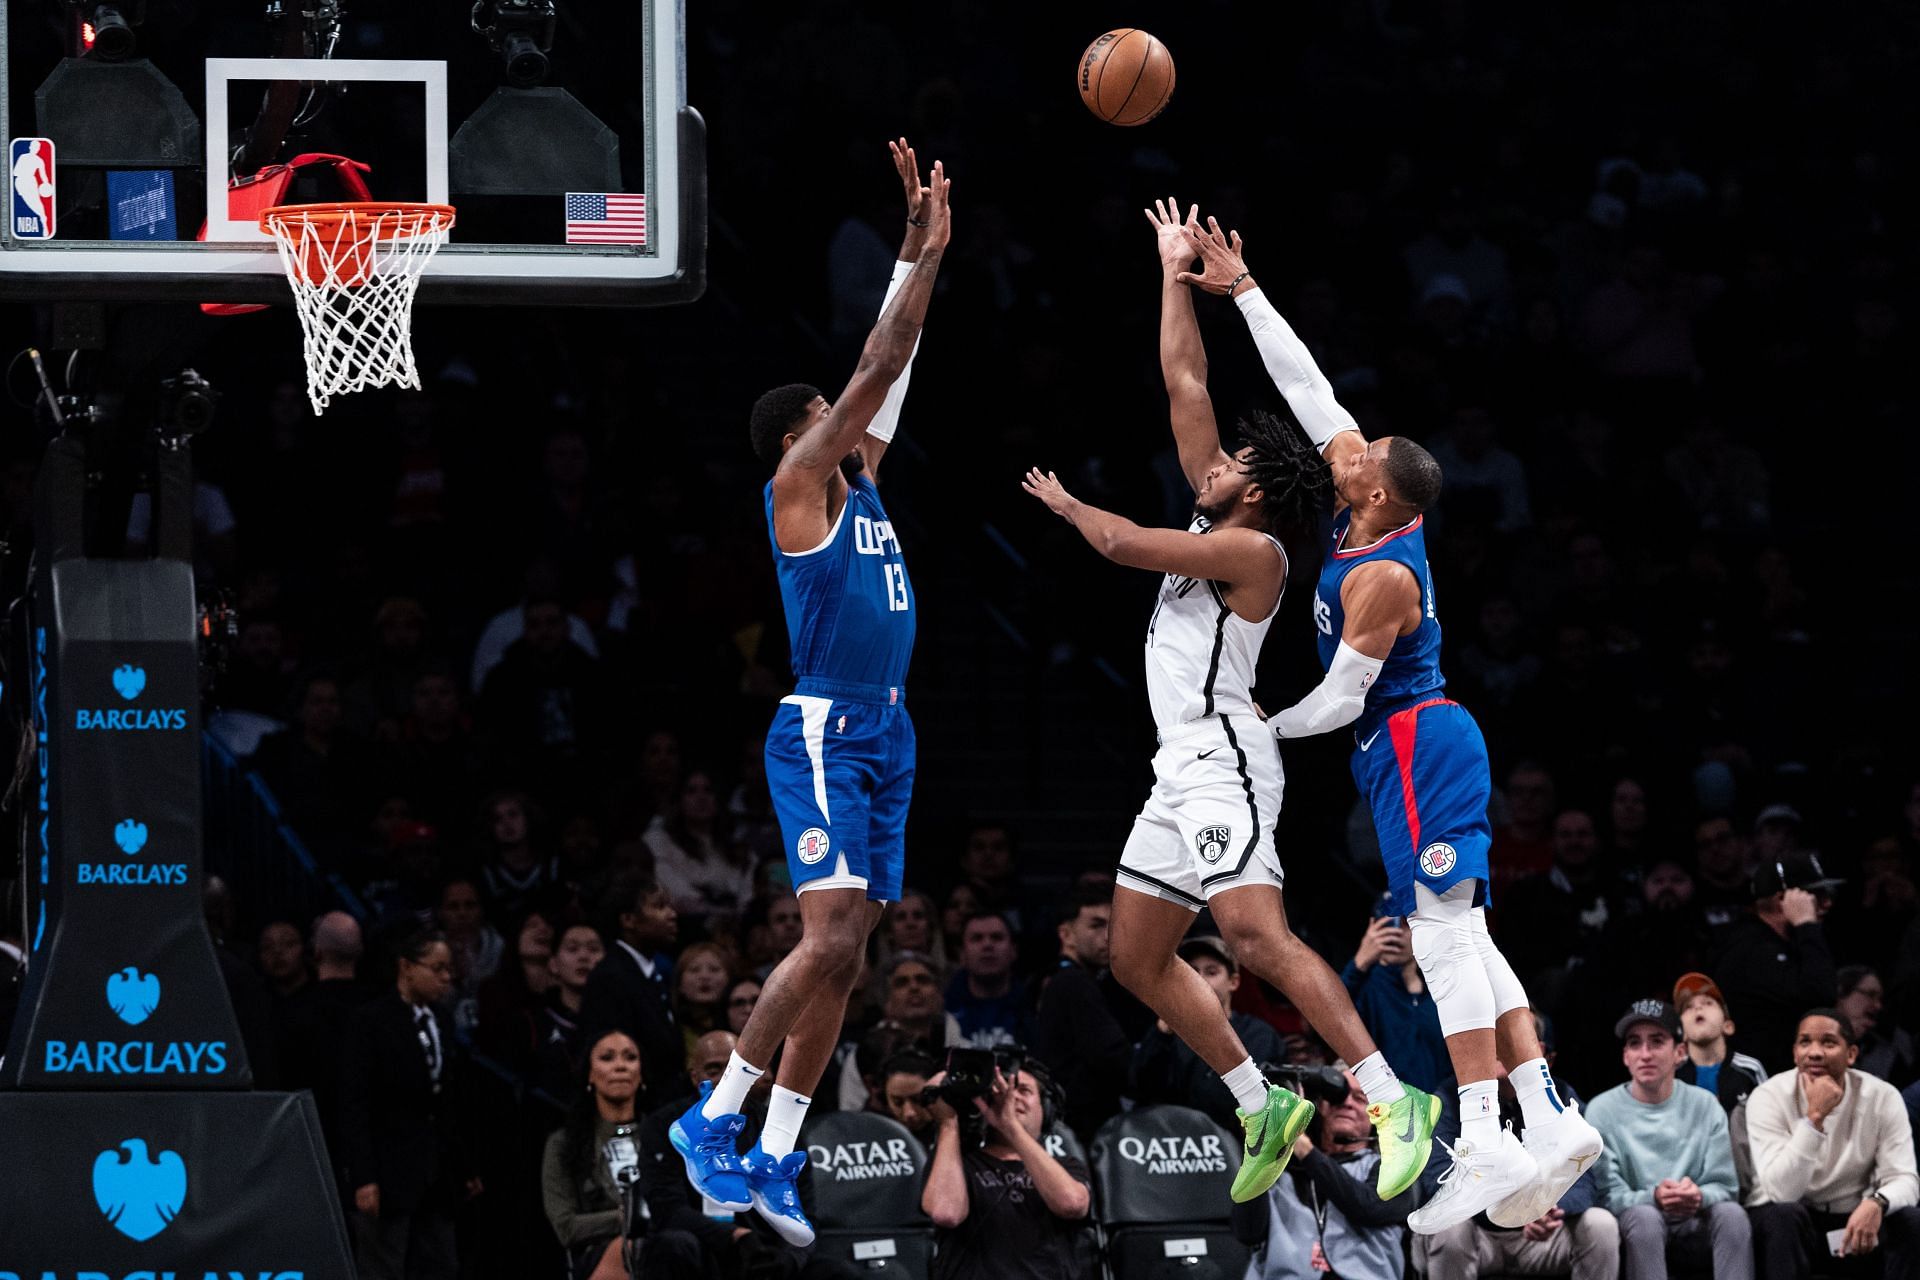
<point>521,32</point>
<point>106,27</point>
<point>187,402</point>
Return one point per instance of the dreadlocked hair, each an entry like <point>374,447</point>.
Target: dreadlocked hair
<point>1295,484</point>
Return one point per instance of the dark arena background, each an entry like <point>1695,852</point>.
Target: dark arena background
<point>483,656</point>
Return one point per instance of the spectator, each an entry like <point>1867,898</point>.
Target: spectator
<point>1629,840</point>
<point>1668,1161</point>
<point>899,1080</point>
<point>314,1029</point>
<point>403,1125</point>
<point>1523,845</point>
<point>1323,1217</point>
<point>1166,1070</point>
<point>911,997</point>
<point>436,759</point>
<point>1480,472</point>
<point>510,1000</point>
<point>783,931</point>
<point>1554,922</point>
<point>982,995</point>
<point>515,876</point>
<point>1007,1207</point>
<point>1832,1151</point>
<point>1776,963</point>
<point>589,1167</point>
<point>477,948</point>
<point>1722,875</point>
<point>628,991</point>
<point>283,960</point>
<point>701,976</point>
<point>1578,1237</point>
<point>546,704</point>
<point>986,862</point>
<point>911,924</point>
<point>1879,916</point>
<point>961,902</point>
<point>1074,1029</point>
<point>742,996</point>
<point>1710,1064</point>
<point>1887,1053</point>
<point>316,771</point>
<point>556,1030</point>
<point>1384,980</point>
<point>695,859</point>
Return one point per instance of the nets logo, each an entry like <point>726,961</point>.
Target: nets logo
<point>1212,843</point>
<point>133,996</point>
<point>858,1161</point>
<point>1202,1154</point>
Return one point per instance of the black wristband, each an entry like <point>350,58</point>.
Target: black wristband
<point>1236,282</point>
<point>917,222</point>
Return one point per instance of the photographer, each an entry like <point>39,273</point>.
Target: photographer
<point>1323,1218</point>
<point>1004,1207</point>
<point>1391,996</point>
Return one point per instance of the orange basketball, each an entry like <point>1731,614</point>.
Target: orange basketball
<point>1126,76</point>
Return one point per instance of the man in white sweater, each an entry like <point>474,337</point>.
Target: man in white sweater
<point>1668,1167</point>
<point>1832,1161</point>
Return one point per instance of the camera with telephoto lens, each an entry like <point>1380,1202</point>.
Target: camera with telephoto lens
<point>970,1075</point>
<point>1318,1085</point>
<point>187,402</point>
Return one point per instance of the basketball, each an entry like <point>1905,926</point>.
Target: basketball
<point>1126,76</point>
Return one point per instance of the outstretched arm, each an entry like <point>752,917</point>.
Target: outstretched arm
<point>1289,363</point>
<point>809,464</point>
<point>887,419</point>
<point>1381,602</point>
<point>1183,360</point>
<point>1236,557</point>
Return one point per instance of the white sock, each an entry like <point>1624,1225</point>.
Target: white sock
<point>785,1110</point>
<point>1480,1115</point>
<point>1248,1085</point>
<point>1533,1084</point>
<point>731,1093</point>
<point>1377,1080</point>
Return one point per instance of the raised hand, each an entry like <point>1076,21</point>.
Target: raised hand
<point>1170,233</point>
<point>1046,486</point>
<point>1220,256</point>
<point>907,165</point>
<point>936,209</point>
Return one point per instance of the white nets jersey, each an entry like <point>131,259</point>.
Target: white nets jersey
<point>1201,654</point>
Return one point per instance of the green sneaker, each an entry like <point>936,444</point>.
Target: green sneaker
<point>1406,1138</point>
<point>1270,1135</point>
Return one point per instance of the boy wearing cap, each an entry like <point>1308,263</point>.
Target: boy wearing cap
<point>1669,1163</point>
<point>1727,1075</point>
<point>1776,964</point>
<point>1833,1161</point>
<point>1165,1069</point>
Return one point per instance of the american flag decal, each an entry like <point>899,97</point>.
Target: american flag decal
<point>598,217</point>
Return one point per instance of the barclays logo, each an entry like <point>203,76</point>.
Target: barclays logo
<point>129,681</point>
<point>133,996</point>
<point>139,1195</point>
<point>131,836</point>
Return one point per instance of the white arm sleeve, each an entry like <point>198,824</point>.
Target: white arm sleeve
<point>1291,366</point>
<point>887,419</point>
<point>1336,700</point>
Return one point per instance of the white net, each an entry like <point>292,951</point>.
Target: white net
<point>354,272</point>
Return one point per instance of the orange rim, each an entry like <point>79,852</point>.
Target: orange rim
<point>414,219</point>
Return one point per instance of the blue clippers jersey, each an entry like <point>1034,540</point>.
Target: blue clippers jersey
<point>849,604</point>
<point>1412,669</point>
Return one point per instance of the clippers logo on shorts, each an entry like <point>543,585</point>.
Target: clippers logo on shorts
<point>1437,859</point>
<point>1212,843</point>
<point>812,845</point>
<point>32,162</point>
<point>858,1161</point>
<point>1202,1154</point>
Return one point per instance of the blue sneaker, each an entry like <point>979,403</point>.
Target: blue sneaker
<point>776,1193</point>
<point>713,1162</point>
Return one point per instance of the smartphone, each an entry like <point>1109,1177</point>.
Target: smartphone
<point>1836,1242</point>
<point>1395,922</point>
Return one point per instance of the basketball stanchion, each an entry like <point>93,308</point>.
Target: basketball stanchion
<point>354,269</point>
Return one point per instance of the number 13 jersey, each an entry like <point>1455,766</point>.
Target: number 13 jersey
<point>849,603</point>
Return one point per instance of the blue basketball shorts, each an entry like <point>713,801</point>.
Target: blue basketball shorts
<point>840,772</point>
<point>1424,773</point>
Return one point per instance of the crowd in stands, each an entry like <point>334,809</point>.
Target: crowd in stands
<point>508,687</point>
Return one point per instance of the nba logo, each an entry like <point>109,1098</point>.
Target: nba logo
<point>32,160</point>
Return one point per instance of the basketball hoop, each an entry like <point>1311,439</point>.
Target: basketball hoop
<point>354,269</point>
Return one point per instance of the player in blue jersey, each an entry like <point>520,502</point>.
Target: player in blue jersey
<point>840,752</point>
<point>1422,764</point>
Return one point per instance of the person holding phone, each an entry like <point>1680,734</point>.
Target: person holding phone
<point>1777,963</point>
<point>1387,988</point>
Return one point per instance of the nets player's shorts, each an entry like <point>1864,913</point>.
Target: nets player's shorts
<point>1424,773</point>
<point>840,770</point>
<point>1208,823</point>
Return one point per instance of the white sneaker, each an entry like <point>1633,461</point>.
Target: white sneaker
<point>1477,1180</point>
<point>1563,1150</point>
